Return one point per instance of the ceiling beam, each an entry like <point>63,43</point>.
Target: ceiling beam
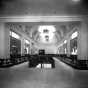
<point>40,18</point>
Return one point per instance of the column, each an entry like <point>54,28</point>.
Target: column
<point>83,41</point>
<point>22,45</point>
<point>29,50</point>
<point>4,41</point>
<point>68,47</point>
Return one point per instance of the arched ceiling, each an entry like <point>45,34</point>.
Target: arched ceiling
<point>43,7</point>
<point>31,29</point>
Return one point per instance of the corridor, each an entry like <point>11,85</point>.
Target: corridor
<point>43,44</point>
<point>62,76</point>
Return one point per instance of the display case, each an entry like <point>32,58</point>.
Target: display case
<point>41,52</point>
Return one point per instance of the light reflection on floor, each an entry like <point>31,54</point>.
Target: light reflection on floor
<point>44,66</point>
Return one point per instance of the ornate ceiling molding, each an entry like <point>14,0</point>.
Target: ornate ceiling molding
<point>40,18</point>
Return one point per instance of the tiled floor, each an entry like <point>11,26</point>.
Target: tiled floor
<point>62,76</point>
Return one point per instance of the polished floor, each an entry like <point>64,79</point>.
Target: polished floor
<point>62,76</point>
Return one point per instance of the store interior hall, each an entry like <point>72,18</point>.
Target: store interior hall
<point>43,44</point>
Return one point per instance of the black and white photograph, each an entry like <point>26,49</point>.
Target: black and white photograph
<point>43,43</point>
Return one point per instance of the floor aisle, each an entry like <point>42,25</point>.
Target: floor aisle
<point>62,76</point>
